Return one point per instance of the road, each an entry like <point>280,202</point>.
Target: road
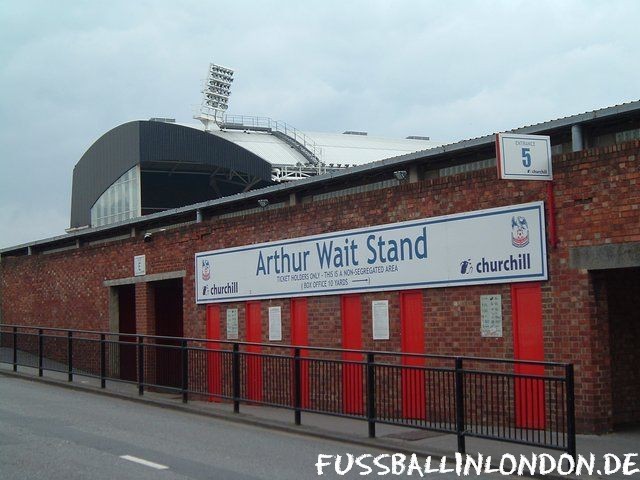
<point>57,433</point>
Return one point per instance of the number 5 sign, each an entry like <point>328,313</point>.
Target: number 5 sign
<point>523,157</point>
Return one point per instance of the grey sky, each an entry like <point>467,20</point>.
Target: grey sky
<point>72,70</point>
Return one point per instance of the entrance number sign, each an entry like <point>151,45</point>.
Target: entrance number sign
<point>524,157</point>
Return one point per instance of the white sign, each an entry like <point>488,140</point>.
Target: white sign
<point>232,324</point>
<point>380,314</point>
<point>491,315</point>
<point>139,265</point>
<point>275,324</point>
<point>524,157</point>
<point>499,245</point>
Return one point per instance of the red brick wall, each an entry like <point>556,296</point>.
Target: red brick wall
<point>597,202</point>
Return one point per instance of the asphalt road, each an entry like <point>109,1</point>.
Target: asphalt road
<point>57,433</point>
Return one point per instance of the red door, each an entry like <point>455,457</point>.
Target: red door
<point>300,337</point>
<point>214,360</point>
<point>526,301</point>
<point>352,377</point>
<point>414,401</point>
<point>254,362</point>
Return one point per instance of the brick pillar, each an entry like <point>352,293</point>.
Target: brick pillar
<point>145,309</point>
<point>597,401</point>
<point>145,325</point>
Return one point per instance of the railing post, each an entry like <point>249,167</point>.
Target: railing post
<point>70,356</point>
<point>40,351</point>
<point>140,365</point>
<point>571,412</point>
<point>185,371</point>
<point>297,388</point>
<point>103,360</point>
<point>15,349</point>
<point>235,373</point>
<point>460,406</point>
<point>371,395</point>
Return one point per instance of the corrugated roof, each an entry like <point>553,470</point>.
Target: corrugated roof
<point>620,108</point>
<point>537,128</point>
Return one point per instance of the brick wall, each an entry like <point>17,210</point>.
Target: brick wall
<point>597,202</point>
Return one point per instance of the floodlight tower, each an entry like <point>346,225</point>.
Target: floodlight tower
<point>215,96</point>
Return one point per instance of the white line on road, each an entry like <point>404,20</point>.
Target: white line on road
<point>142,461</point>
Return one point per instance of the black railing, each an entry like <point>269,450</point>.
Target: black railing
<point>525,402</point>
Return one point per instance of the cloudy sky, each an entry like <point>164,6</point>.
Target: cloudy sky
<point>72,70</point>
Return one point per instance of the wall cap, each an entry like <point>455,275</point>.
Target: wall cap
<point>602,257</point>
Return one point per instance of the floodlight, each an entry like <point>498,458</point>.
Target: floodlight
<point>215,95</point>
<point>263,202</point>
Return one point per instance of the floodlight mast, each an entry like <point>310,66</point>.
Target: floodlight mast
<point>215,96</point>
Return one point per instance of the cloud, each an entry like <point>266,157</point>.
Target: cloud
<point>22,223</point>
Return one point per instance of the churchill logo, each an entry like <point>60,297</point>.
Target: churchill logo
<point>519,232</point>
<point>466,267</point>
<point>206,270</point>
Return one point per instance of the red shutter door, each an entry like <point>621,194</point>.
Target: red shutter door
<point>214,355</point>
<point>352,376</point>
<point>526,301</point>
<point>300,338</point>
<point>414,401</point>
<point>254,362</point>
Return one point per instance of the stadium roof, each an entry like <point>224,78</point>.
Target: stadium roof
<point>335,148</point>
<point>609,115</point>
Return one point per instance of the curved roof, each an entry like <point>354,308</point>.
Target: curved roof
<point>335,148</point>
<point>263,144</point>
<point>155,145</point>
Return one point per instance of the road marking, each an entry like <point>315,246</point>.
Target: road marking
<point>142,461</point>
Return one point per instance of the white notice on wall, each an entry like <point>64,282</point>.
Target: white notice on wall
<point>380,313</point>
<point>491,315</point>
<point>232,324</point>
<point>139,265</point>
<point>275,324</point>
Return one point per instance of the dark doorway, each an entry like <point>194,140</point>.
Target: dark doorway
<point>127,324</point>
<point>623,306</point>
<point>168,312</point>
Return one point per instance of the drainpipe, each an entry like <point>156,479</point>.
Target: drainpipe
<point>576,138</point>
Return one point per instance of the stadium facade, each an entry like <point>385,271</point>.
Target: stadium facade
<point>145,167</point>
<point>567,287</point>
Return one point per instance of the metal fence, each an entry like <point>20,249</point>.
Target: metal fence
<point>530,403</point>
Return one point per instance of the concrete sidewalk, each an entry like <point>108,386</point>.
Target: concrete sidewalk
<point>352,431</point>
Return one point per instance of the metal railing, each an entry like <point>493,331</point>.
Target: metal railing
<point>307,147</point>
<point>286,173</point>
<point>529,403</point>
